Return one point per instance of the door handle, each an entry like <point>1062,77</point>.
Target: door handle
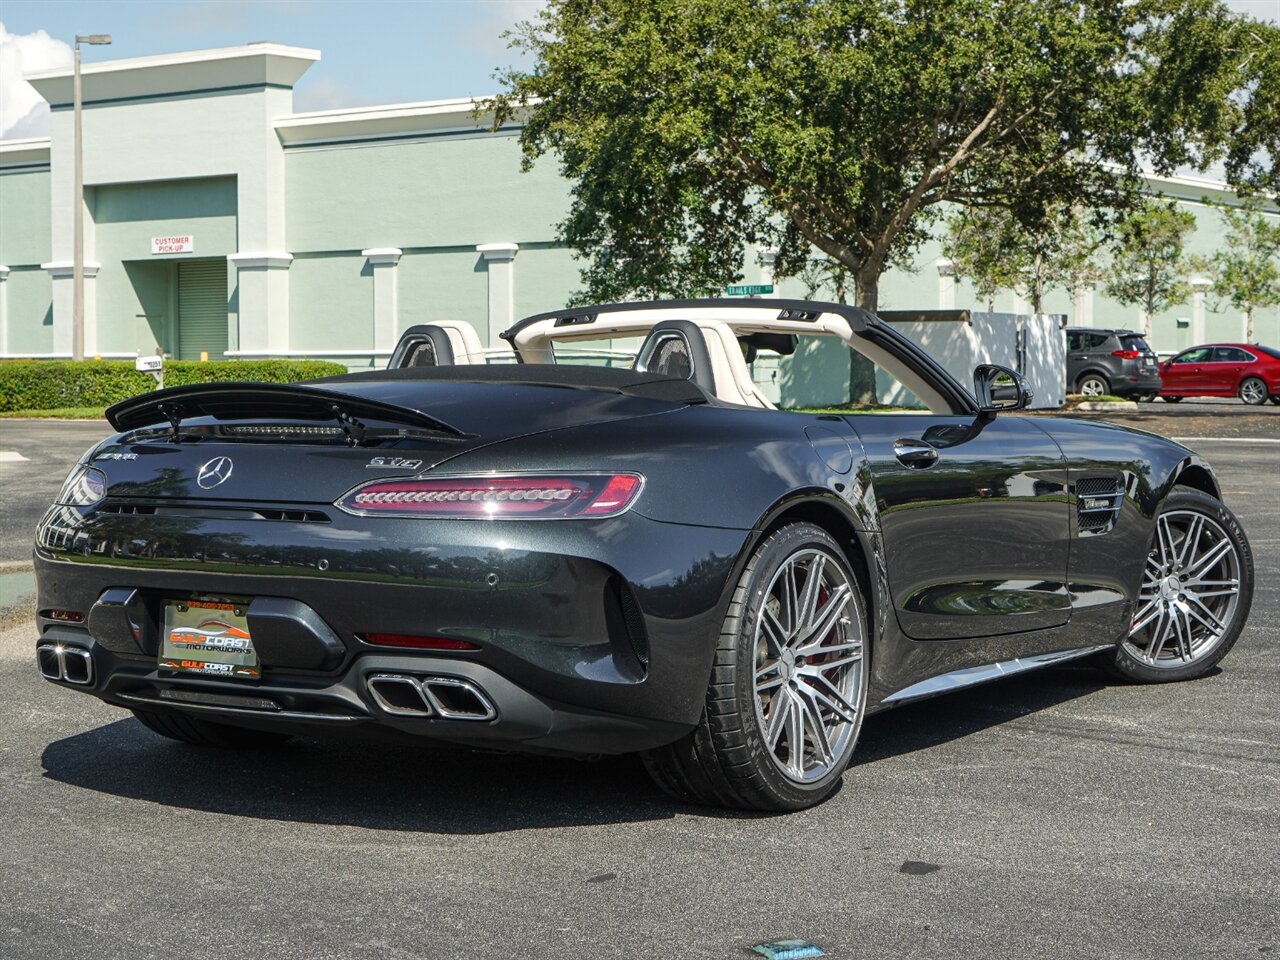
<point>915,453</point>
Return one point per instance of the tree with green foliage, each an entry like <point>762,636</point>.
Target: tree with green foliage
<point>1212,79</point>
<point>1246,268</point>
<point>994,252</point>
<point>1148,263</point>
<point>691,129</point>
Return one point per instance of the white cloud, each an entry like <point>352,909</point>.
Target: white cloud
<point>326,93</point>
<point>23,112</point>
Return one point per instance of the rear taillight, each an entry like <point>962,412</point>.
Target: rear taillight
<point>83,487</point>
<point>528,497</point>
<point>1126,354</point>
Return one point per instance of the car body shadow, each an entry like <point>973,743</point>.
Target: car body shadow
<point>419,788</point>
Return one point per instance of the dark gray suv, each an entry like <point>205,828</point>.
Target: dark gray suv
<point>1116,362</point>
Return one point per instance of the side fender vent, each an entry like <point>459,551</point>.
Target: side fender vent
<point>1098,502</point>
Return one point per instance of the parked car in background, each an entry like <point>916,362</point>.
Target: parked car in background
<point>1114,362</point>
<point>1245,370</point>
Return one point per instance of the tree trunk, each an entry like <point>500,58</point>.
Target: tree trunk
<point>862,372</point>
<point>1248,325</point>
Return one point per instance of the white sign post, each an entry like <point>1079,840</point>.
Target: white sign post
<point>180,244</point>
<point>152,365</point>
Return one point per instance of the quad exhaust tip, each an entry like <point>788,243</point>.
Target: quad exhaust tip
<point>448,698</point>
<point>68,664</point>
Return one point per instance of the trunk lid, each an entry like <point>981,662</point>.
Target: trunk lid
<point>241,444</point>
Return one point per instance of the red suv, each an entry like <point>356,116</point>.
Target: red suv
<point>1243,370</point>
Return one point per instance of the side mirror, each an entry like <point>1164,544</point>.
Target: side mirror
<point>999,388</point>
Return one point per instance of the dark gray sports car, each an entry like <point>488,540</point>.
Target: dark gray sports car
<point>586,560</point>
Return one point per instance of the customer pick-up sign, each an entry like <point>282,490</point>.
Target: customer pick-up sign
<point>182,244</point>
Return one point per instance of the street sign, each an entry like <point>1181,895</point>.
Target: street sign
<point>748,289</point>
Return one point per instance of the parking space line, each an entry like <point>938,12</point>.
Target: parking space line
<point>11,456</point>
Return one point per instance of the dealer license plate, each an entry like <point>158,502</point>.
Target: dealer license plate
<point>209,636</point>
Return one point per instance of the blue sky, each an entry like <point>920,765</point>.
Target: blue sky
<point>375,51</point>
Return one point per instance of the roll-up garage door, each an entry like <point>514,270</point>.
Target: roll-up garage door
<point>202,309</point>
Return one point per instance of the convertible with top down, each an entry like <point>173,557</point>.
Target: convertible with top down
<point>650,558</point>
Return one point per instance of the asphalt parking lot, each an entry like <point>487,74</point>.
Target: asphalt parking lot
<point>1058,814</point>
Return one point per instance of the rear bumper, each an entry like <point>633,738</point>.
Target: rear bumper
<point>516,718</point>
<point>1136,383</point>
<point>595,637</point>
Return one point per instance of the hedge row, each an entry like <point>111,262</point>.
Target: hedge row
<point>51,384</point>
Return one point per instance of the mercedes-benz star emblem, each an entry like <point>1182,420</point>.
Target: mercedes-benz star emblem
<point>214,472</point>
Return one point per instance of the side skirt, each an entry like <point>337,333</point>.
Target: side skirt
<point>972,676</point>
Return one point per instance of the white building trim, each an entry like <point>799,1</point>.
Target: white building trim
<point>946,268</point>
<point>1199,287</point>
<point>399,120</point>
<point>263,279</point>
<point>175,73</point>
<point>386,309</point>
<point>4,309</point>
<point>261,261</point>
<point>500,264</point>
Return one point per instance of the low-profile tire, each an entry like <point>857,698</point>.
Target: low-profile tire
<point>1093,385</point>
<point>207,733</point>
<point>1195,595</point>
<point>791,667</point>
<point>1253,391</point>
<point>1276,399</point>
<point>1171,399</point>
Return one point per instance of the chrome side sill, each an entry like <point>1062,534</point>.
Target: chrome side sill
<point>972,676</point>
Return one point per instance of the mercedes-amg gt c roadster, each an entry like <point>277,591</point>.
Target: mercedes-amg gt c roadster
<point>650,558</point>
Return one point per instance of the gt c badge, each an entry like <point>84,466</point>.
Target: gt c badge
<point>214,472</point>
<point>395,462</point>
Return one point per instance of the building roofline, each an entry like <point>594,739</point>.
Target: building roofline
<point>384,121</point>
<point>253,64</point>
<point>258,48</point>
<point>31,151</point>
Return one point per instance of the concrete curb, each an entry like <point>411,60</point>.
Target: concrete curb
<point>1090,406</point>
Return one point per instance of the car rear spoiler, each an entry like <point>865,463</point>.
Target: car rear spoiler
<point>254,401</point>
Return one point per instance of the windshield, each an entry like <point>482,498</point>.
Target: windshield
<point>1269,351</point>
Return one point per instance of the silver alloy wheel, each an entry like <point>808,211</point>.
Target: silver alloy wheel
<point>1253,391</point>
<point>1189,594</point>
<point>809,676</point>
<point>1092,387</point>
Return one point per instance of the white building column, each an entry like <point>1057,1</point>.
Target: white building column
<point>500,263</point>
<point>60,271</point>
<point>1082,306</point>
<point>263,283</point>
<point>386,310</point>
<point>1199,287</point>
<point>946,283</point>
<point>4,310</point>
<point>768,260</point>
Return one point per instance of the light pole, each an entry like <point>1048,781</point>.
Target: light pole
<point>77,270</point>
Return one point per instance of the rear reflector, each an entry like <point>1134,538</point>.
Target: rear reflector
<point>66,616</point>
<point>531,497</point>
<point>420,643</point>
